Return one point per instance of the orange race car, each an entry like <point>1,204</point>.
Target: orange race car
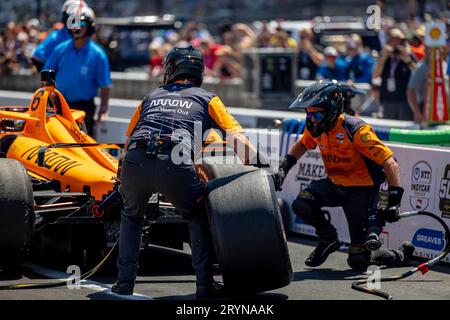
<point>58,191</point>
<point>54,202</point>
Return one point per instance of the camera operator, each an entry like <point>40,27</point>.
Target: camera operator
<point>394,67</point>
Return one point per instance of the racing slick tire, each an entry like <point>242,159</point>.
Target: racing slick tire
<point>285,214</point>
<point>246,227</point>
<point>16,212</point>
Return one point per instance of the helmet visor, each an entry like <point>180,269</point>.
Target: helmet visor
<point>315,115</point>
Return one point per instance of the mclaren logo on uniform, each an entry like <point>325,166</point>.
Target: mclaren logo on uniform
<point>444,193</point>
<point>421,177</point>
<point>365,137</point>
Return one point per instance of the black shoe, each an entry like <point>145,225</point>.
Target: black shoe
<point>321,253</point>
<point>408,251</point>
<point>123,287</point>
<point>210,291</point>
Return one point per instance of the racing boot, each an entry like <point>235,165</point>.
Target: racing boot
<point>322,251</point>
<point>210,291</point>
<point>394,258</point>
<point>123,287</point>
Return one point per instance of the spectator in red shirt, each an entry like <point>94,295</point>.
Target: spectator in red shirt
<point>209,50</point>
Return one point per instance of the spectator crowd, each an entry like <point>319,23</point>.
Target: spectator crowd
<point>396,72</point>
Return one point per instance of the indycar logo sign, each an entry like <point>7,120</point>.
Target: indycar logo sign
<point>444,193</point>
<point>421,178</point>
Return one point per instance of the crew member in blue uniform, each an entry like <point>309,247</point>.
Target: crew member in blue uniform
<point>82,69</point>
<point>46,47</point>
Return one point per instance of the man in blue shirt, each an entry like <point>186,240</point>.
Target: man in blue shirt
<point>333,67</point>
<point>46,47</point>
<point>360,63</point>
<point>82,68</point>
<point>448,65</point>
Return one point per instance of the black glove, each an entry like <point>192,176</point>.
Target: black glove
<point>391,214</point>
<point>278,179</point>
<point>395,195</point>
<point>285,165</point>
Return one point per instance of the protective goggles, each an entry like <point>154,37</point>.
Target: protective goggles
<point>317,115</point>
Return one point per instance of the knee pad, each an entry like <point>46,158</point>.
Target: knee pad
<point>358,258</point>
<point>305,207</point>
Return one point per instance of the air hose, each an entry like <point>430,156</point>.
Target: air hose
<point>60,282</point>
<point>423,268</point>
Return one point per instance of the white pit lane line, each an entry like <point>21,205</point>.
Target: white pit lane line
<point>88,284</point>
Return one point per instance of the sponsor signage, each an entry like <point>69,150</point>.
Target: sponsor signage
<point>429,239</point>
<point>444,193</point>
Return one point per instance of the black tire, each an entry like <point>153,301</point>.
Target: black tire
<point>246,227</point>
<point>16,212</point>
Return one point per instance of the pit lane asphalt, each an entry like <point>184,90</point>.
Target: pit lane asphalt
<point>167,275</point>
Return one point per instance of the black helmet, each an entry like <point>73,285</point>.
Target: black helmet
<point>183,63</point>
<point>324,94</point>
<point>348,92</point>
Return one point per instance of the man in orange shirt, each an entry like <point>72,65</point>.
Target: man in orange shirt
<point>357,163</point>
